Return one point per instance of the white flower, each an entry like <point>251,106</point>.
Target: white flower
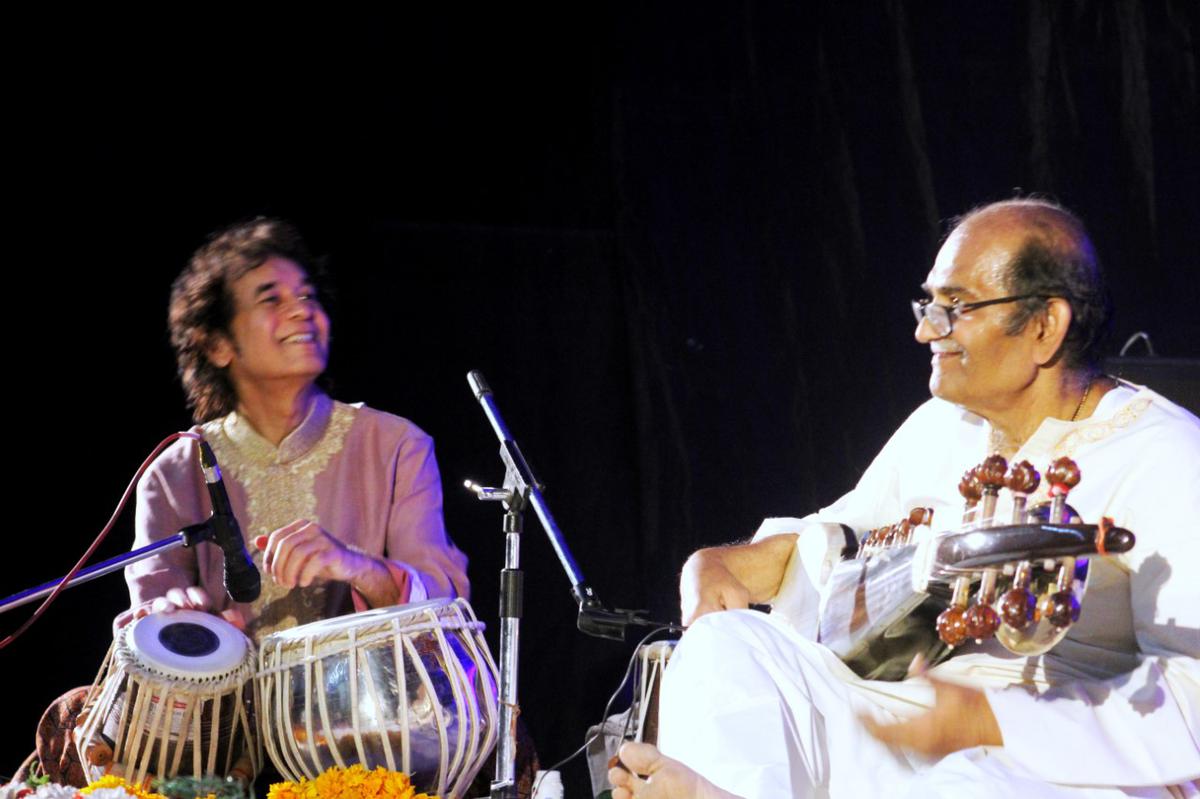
<point>53,790</point>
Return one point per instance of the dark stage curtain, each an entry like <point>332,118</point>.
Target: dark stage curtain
<point>679,239</point>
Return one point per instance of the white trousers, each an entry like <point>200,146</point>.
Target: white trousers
<point>766,714</point>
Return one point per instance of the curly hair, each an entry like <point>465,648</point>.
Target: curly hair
<point>1057,260</point>
<point>202,306</point>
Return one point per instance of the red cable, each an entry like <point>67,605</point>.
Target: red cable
<point>58,589</point>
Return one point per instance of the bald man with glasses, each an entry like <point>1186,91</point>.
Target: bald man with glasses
<point>753,706</point>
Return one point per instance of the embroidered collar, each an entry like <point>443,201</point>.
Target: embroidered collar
<point>296,444</point>
<point>1117,409</point>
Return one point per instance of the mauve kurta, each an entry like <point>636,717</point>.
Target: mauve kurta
<point>367,477</point>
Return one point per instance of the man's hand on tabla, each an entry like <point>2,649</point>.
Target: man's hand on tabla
<point>300,553</point>
<point>191,598</point>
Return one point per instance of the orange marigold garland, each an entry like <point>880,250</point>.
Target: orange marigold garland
<point>353,782</point>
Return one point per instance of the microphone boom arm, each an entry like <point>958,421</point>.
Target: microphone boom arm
<point>187,537</point>
<point>594,618</point>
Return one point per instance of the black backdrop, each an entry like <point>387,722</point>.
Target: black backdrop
<point>678,238</point>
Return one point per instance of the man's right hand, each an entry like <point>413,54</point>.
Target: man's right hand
<point>725,578</point>
<point>190,598</point>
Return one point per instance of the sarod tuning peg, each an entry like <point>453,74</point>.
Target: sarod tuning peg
<point>982,619</point>
<point>951,622</point>
<point>1022,480</point>
<point>1061,608</point>
<point>1018,605</point>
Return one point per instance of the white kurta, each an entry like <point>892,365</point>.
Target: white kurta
<point>759,708</point>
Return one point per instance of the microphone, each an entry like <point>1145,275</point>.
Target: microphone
<point>242,580</point>
<point>478,385</point>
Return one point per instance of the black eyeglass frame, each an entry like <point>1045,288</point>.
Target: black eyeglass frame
<point>921,309</point>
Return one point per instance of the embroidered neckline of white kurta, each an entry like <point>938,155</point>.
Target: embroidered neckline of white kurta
<point>1063,438</point>
<point>280,482</point>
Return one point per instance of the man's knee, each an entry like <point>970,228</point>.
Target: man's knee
<point>725,651</point>
<point>727,632</point>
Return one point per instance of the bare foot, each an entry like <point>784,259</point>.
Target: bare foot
<point>662,777</point>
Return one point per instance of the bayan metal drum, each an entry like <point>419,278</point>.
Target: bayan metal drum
<point>175,696</point>
<point>411,688</point>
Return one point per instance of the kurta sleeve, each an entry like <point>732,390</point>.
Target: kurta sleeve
<point>912,467</point>
<point>416,533</point>
<point>166,503</point>
<point>820,536</point>
<point>1141,728</point>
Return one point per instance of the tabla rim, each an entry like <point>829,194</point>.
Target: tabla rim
<point>416,611</point>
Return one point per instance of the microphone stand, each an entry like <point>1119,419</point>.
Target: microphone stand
<point>187,537</point>
<point>220,528</point>
<point>521,488</point>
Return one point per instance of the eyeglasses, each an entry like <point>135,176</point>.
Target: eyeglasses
<point>941,317</point>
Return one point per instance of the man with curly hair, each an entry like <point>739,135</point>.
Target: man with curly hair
<point>341,504</point>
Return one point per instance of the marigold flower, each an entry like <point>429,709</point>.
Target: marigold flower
<point>352,782</point>
<point>104,787</point>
